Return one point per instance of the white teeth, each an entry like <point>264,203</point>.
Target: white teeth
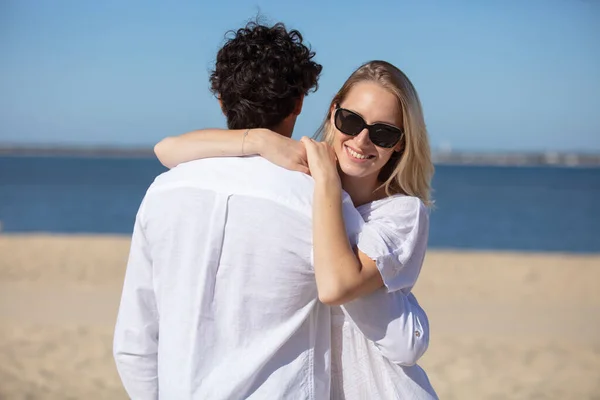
<point>355,154</point>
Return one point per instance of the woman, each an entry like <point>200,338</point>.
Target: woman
<point>374,146</point>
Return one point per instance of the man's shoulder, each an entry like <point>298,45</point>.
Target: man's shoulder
<point>232,170</point>
<point>246,176</point>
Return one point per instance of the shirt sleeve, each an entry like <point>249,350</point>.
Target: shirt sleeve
<point>135,345</point>
<point>394,322</point>
<point>395,237</point>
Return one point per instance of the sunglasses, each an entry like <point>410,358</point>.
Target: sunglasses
<point>351,124</point>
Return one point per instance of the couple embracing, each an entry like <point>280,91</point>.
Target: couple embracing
<point>267,268</point>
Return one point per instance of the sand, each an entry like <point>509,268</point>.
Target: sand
<point>504,325</point>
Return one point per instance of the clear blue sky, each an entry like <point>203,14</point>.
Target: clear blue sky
<point>492,75</point>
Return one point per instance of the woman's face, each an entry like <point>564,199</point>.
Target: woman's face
<point>358,157</point>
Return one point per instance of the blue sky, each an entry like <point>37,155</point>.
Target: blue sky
<point>492,75</point>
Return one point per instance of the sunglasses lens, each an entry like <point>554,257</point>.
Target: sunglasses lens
<point>385,136</point>
<point>348,122</point>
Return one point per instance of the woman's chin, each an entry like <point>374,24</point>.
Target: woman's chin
<point>352,170</point>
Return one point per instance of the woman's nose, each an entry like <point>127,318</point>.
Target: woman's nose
<point>363,137</point>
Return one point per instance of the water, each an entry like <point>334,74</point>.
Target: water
<point>495,208</point>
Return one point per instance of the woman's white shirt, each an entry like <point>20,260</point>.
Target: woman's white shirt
<point>377,339</point>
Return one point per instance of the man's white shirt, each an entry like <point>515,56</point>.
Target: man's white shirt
<point>220,299</point>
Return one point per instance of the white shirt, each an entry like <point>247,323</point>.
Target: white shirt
<point>378,339</point>
<point>219,299</point>
<point>220,270</point>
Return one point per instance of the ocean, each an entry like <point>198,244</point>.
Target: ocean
<point>482,208</point>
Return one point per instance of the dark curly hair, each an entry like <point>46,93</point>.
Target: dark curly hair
<point>260,73</point>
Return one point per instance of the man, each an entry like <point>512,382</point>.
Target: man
<point>219,299</point>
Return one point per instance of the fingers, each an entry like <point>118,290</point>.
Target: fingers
<point>316,149</point>
<point>300,165</point>
<point>332,152</point>
<point>303,169</point>
<point>307,142</point>
<point>312,145</point>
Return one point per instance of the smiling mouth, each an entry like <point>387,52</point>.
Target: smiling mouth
<point>357,155</point>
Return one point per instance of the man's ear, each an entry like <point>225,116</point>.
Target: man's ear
<point>298,107</point>
<point>221,105</point>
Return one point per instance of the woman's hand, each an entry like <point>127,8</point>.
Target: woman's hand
<point>280,150</point>
<point>322,162</point>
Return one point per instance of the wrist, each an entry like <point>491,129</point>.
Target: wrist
<point>255,141</point>
<point>329,185</point>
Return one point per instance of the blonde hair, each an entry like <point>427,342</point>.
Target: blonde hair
<point>410,170</point>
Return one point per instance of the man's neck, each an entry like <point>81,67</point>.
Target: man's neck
<point>283,132</point>
<point>285,128</point>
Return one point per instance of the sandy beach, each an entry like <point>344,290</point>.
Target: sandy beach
<point>504,325</point>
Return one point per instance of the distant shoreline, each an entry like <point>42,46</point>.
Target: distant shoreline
<point>439,158</point>
<point>76,152</point>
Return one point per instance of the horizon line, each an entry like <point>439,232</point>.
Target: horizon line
<point>123,149</point>
<point>439,157</point>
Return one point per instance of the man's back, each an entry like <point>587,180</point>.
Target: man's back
<point>230,244</point>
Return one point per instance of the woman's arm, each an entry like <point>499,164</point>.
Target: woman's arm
<point>342,273</point>
<point>207,143</point>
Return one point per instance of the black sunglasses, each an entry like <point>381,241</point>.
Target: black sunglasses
<point>382,135</point>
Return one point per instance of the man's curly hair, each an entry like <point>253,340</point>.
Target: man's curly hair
<point>260,73</point>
